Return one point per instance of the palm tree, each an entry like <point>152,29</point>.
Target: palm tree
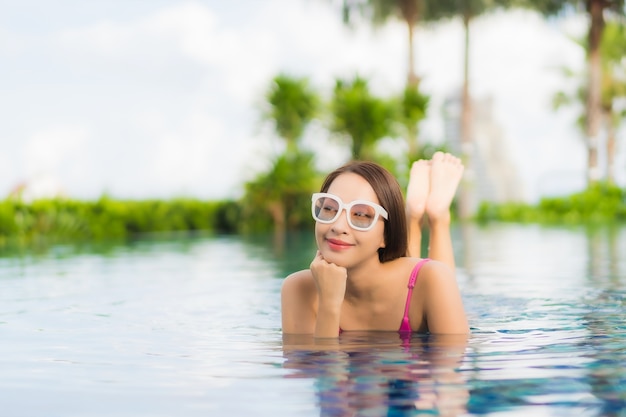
<point>412,106</point>
<point>596,11</point>
<point>613,87</point>
<point>361,117</point>
<point>281,191</point>
<point>468,10</point>
<point>411,12</point>
<point>613,51</point>
<point>291,104</point>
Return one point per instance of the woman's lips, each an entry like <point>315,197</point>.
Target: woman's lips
<point>337,244</point>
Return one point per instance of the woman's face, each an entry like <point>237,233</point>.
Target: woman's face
<point>338,242</point>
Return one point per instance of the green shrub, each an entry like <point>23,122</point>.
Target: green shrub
<point>57,220</point>
<point>601,202</point>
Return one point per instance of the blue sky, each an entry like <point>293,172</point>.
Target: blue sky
<point>160,98</point>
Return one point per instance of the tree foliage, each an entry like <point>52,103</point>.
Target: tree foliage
<point>280,197</point>
<point>360,116</point>
<point>412,106</point>
<point>271,197</point>
<point>293,103</point>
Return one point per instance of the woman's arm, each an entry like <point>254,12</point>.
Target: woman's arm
<point>443,306</point>
<point>330,283</point>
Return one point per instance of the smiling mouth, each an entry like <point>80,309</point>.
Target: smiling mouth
<point>338,243</point>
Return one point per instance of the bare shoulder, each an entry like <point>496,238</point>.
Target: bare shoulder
<point>298,291</point>
<point>435,280</point>
<point>300,282</point>
<point>433,271</point>
<point>298,303</point>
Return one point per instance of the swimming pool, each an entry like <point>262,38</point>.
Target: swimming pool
<point>190,326</point>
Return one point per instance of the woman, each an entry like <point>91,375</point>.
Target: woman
<point>361,278</point>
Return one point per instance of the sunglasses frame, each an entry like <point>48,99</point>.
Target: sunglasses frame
<point>378,210</point>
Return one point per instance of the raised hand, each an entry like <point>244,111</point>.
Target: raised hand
<point>330,281</point>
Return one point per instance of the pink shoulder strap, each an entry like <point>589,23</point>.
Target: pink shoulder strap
<point>405,326</point>
<point>416,271</point>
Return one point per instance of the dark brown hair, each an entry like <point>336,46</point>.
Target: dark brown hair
<point>390,197</point>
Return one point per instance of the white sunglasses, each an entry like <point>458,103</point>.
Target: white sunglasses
<point>362,214</point>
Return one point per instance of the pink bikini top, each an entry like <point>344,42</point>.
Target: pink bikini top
<point>405,326</point>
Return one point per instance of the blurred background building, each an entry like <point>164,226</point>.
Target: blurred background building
<point>491,172</point>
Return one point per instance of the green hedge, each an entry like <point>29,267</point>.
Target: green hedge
<point>106,218</point>
<point>601,202</point>
<point>61,220</point>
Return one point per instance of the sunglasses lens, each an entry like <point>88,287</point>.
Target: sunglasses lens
<point>362,215</point>
<point>326,208</point>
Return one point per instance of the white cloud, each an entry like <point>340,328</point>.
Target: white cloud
<point>186,157</point>
<point>49,158</point>
<point>49,150</point>
<point>187,27</point>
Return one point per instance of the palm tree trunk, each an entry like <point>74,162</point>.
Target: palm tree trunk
<point>357,148</point>
<point>412,142</point>
<point>412,78</point>
<point>594,110</point>
<point>411,15</point>
<point>467,148</point>
<point>277,210</point>
<point>611,142</point>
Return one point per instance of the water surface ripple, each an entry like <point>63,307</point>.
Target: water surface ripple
<point>190,326</point>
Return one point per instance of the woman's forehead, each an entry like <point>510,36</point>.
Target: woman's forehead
<point>350,186</point>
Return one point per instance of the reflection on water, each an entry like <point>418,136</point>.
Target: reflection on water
<point>190,325</point>
<point>379,374</point>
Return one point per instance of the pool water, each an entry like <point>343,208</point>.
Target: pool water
<point>190,326</point>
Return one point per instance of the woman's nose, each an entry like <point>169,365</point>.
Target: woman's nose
<point>341,224</point>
